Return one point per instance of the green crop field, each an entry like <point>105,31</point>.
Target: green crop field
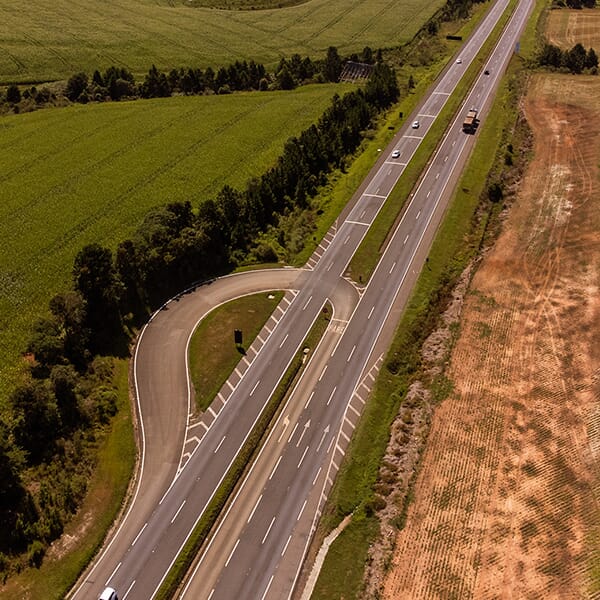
<point>52,39</point>
<point>90,173</point>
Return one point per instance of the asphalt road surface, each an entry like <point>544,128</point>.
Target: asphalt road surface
<point>261,543</point>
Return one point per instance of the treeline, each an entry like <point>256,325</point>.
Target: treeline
<point>576,60</point>
<point>575,3</point>
<point>117,83</point>
<point>66,398</point>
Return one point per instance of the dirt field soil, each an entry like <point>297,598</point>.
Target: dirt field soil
<point>506,503</point>
<point>565,28</point>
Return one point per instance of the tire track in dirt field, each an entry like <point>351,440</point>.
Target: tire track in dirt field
<point>507,500</point>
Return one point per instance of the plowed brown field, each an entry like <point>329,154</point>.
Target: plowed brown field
<point>506,504</point>
<point>565,28</point>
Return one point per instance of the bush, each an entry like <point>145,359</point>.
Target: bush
<point>76,85</point>
<point>35,553</point>
<point>13,94</point>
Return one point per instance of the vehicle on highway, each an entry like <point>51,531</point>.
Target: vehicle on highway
<point>470,122</point>
<point>415,124</point>
<point>458,61</point>
<point>395,153</point>
<point>486,72</point>
<point>108,594</point>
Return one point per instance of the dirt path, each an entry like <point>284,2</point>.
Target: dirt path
<point>507,500</point>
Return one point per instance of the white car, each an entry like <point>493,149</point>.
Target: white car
<point>108,594</point>
<point>395,153</point>
<point>458,61</point>
<point>415,125</point>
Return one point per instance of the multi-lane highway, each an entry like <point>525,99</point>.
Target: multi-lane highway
<point>261,542</point>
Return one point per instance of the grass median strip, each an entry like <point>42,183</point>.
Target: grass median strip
<point>213,354</point>
<point>241,463</point>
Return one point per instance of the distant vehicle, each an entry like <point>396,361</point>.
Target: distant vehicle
<point>458,61</point>
<point>486,72</point>
<point>108,594</point>
<point>415,124</point>
<point>395,153</point>
<point>470,122</point>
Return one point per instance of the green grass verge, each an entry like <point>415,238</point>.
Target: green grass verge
<point>213,354</point>
<point>85,533</point>
<point>531,37</point>
<point>459,238</point>
<point>241,463</point>
<point>366,258</point>
<point>56,38</point>
<point>87,174</point>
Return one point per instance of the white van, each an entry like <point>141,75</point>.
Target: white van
<point>108,594</point>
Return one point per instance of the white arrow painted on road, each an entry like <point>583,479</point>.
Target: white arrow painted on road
<point>306,426</point>
<point>325,432</point>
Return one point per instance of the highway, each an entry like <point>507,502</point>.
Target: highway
<point>250,556</point>
<point>261,542</point>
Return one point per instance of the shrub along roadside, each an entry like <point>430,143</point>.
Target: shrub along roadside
<point>242,462</point>
<point>354,490</point>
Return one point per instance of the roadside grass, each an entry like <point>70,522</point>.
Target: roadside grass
<point>346,558</point>
<point>213,355</point>
<point>85,533</point>
<point>242,462</point>
<point>530,40</point>
<point>459,238</point>
<point>84,174</point>
<point>60,37</point>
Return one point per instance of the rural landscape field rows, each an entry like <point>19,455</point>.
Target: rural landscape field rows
<point>59,38</point>
<point>87,173</point>
<point>506,502</point>
<point>567,28</point>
